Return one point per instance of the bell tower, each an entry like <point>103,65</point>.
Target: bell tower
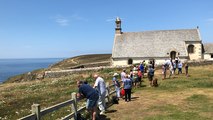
<point>118,26</point>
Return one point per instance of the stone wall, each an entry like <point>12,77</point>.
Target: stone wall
<point>200,63</point>
<point>60,73</point>
<point>197,50</point>
<point>57,74</point>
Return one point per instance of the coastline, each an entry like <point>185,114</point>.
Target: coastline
<point>14,67</point>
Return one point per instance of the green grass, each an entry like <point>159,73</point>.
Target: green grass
<point>196,104</point>
<point>179,115</point>
<point>16,98</point>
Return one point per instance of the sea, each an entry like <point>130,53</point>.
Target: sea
<point>12,67</point>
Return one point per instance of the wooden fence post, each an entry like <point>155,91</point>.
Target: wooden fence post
<point>108,91</point>
<point>36,110</point>
<point>74,105</point>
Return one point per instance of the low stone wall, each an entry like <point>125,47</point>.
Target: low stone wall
<point>200,63</point>
<point>60,73</point>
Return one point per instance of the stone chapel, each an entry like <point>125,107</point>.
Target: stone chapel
<point>134,47</point>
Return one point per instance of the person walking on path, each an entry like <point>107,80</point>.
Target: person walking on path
<point>92,96</point>
<point>145,66</point>
<point>135,76</point>
<point>101,87</point>
<point>139,77</point>
<point>123,74</point>
<point>176,61</point>
<point>116,84</point>
<point>164,71</point>
<point>171,69</point>
<point>187,69</point>
<point>141,69</point>
<point>150,75</point>
<point>174,67</point>
<point>127,85</point>
<point>180,65</point>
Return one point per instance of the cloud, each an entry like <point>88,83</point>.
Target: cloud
<point>210,20</point>
<point>62,21</point>
<point>78,17</point>
<point>110,20</point>
<point>65,21</point>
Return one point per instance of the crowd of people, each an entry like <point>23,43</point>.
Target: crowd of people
<point>124,82</point>
<point>172,66</point>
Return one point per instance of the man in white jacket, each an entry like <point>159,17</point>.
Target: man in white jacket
<point>101,87</point>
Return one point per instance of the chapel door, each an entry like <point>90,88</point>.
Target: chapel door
<point>130,61</point>
<point>173,55</point>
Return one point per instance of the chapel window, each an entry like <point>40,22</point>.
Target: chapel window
<point>191,49</point>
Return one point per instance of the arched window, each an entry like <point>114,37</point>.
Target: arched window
<point>130,61</point>
<point>172,55</point>
<point>191,49</point>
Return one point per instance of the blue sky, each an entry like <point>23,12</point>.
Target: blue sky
<point>66,28</point>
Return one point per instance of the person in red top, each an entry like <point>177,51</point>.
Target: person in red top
<point>139,77</point>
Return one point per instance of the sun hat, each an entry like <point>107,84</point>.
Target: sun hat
<point>115,74</point>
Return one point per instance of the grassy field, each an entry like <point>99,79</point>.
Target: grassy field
<point>83,60</point>
<point>177,98</point>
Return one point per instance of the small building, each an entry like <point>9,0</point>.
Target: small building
<point>208,54</point>
<point>134,47</point>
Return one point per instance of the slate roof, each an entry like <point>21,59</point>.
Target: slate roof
<point>208,47</point>
<point>153,43</point>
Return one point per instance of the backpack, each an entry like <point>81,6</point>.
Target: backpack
<point>115,100</point>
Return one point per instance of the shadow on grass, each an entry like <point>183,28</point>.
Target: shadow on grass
<point>103,117</point>
<point>143,85</point>
<point>111,111</point>
<point>134,98</point>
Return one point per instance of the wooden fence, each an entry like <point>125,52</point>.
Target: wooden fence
<point>37,113</point>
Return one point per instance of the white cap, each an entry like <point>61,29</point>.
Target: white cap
<point>115,74</point>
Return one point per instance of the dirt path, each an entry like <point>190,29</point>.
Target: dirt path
<point>126,110</point>
<point>143,102</point>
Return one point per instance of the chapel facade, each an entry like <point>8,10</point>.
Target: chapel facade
<point>134,47</point>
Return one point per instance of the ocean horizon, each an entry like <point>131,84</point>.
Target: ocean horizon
<point>13,67</point>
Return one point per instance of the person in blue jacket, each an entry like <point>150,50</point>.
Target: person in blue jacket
<point>127,85</point>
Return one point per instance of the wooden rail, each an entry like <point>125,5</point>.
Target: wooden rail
<point>37,113</point>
